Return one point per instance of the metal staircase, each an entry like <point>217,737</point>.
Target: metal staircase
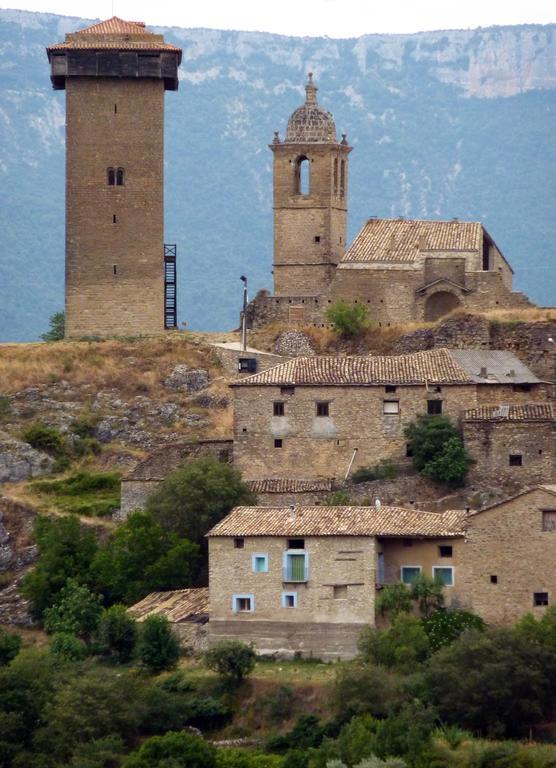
<point>170,287</point>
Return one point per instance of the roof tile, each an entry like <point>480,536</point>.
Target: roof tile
<point>339,521</point>
<point>525,412</point>
<point>176,605</point>
<point>289,485</point>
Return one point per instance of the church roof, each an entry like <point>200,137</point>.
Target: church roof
<point>114,34</point>
<point>311,124</point>
<point>401,240</point>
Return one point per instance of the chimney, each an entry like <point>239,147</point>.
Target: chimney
<point>483,373</point>
<point>291,515</point>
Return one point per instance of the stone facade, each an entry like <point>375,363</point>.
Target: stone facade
<point>288,430</point>
<point>509,559</point>
<point>401,270</point>
<point>235,360</point>
<point>511,443</point>
<point>325,621</point>
<point>114,176</point>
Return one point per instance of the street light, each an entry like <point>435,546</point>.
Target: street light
<point>244,316</point>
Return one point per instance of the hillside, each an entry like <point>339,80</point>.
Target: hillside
<point>443,124</point>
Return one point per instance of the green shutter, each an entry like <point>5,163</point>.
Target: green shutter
<point>297,567</point>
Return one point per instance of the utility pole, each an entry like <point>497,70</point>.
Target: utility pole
<point>244,315</point>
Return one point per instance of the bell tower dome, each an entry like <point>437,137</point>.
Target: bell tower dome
<point>310,200</point>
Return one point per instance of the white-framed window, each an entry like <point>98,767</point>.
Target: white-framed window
<point>391,407</point>
<point>295,565</point>
<point>444,574</point>
<point>259,563</point>
<point>289,599</point>
<point>243,603</point>
<point>408,573</point>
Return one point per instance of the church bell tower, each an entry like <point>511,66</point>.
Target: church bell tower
<point>118,280</point>
<point>310,200</point>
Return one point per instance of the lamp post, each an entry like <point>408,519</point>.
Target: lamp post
<point>244,315</point>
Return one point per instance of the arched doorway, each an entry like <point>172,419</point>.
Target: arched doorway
<point>439,304</point>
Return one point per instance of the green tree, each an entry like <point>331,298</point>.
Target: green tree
<point>76,611</point>
<point>347,319</point>
<point>494,682</point>
<point>66,550</point>
<point>117,633</point>
<point>56,330</point>
<point>10,645</point>
<point>232,660</point>
<point>159,647</point>
<point>141,557</point>
<point>196,496</point>
<point>361,689</point>
<point>437,449</point>
<point>174,750</point>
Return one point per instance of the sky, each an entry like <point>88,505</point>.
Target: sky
<point>335,18</point>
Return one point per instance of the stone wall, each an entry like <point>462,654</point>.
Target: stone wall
<point>509,557</point>
<point>135,494</point>
<point>114,234</point>
<point>339,593</point>
<point>316,446</point>
<point>229,357</point>
<point>491,443</point>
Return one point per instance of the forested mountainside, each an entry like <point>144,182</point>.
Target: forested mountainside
<point>443,124</point>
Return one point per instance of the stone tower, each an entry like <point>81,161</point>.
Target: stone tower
<point>115,74</point>
<point>310,200</point>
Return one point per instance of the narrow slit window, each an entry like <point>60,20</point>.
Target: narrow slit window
<point>336,176</point>
<point>115,269</point>
<point>114,219</point>
<point>110,177</point>
<point>120,177</point>
<point>342,178</point>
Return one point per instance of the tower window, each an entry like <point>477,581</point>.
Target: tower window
<point>336,176</point>
<point>120,177</point>
<point>317,238</point>
<point>115,109</point>
<point>115,268</point>
<point>110,177</point>
<point>114,219</point>
<point>302,176</point>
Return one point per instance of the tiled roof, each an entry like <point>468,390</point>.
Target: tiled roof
<point>339,521</point>
<point>400,240</point>
<point>114,34</point>
<point>549,488</point>
<point>435,366</point>
<point>177,605</point>
<point>289,485</point>
<point>525,412</point>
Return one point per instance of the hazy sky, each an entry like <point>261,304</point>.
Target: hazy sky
<point>335,18</point>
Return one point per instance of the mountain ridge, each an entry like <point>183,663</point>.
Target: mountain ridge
<point>423,148</point>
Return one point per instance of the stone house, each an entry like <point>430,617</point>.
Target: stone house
<point>509,556</point>
<point>511,442</point>
<point>304,579</point>
<point>187,610</point>
<point>322,417</point>
<point>401,270</point>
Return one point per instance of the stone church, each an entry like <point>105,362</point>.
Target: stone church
<point>402,270</point>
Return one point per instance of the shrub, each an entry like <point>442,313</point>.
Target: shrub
<point>384,470</point>
<point>443,627</point>
<point>117,633</point>
<point>404,645</point>
<point>427,593</point>
<point>68,646</point>
<point>365,689</point>
<point>56,329</point>
<point>278,704</point>
<point>437,449</point>
<point>243,758</point>
<point>307,732</point>
<point>85,426</point>
<point>158,647</point>
<point>175,750</point>
<point>337,499</point>
<point>394,599</point>
<point>231,659</point>
<point>10,645</point>
<point>75,611</point>
<point>45,438</point>
<point>347,319</point>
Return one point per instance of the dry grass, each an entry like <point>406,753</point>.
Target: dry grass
<point>532,315</point>
<point>132,367</point>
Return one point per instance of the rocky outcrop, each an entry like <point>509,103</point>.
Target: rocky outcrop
<point>186,379</point>
<point>17,553</point>
<point>19,461</point>
<point>293,344</point>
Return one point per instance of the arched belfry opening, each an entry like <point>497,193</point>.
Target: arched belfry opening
<point>440,304</point>
<point>303,176</point>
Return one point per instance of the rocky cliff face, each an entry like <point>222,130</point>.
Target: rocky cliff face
<point>443,124</point>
